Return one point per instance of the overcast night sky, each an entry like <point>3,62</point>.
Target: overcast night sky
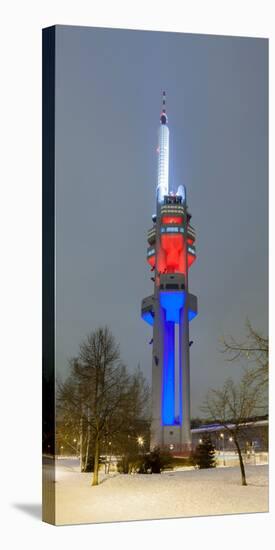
<point>108,96</point>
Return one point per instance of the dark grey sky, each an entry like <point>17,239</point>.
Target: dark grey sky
<point>108,90</point>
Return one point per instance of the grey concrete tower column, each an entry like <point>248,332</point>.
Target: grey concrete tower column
<point>157,359</point>
<point>184,362</point>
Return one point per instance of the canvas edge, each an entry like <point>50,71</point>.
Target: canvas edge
<point>48,275</point>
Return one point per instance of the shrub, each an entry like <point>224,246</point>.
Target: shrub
<point>183,461</point>
<point>90,465</point>
<point>147,463</point>
<point>130,463</point>
<point>159,459</point>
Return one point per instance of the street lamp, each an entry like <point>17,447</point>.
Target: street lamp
<point>200,441</point>
<point>222,437</point>
<point>110,455</point>
<point>140,441</point>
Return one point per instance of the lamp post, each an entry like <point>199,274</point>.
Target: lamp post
<point>140,441</point>
<point>75,442</point>
<point>110,447</point>
<point>230,441</point>
<point>222,437</point>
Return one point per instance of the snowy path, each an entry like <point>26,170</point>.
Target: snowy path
<point>171,494</point>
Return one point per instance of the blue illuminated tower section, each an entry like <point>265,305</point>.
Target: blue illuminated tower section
<point>170,253</point>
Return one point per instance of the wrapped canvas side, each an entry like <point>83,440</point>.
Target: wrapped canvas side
<point>48,273</point>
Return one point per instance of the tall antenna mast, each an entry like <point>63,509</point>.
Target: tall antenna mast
<point>163,102</point>
<point>163,152</point>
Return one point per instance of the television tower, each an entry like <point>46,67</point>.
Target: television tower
<point>171,307</point>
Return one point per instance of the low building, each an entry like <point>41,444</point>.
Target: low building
<point>253,436</point>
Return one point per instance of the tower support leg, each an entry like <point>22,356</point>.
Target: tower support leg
<point>185,437</point>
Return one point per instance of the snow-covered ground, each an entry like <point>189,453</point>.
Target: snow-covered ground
<point>171,494</point>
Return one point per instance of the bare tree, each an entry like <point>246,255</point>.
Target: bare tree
<point>69,417</point>
<point>94,391</point>
<point>101,400</point>
<point>132,429</point>
<point>105,383</point>
<point>231,407</point>
<point>254,350</point>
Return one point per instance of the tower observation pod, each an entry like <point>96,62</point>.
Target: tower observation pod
<point>171,252</point>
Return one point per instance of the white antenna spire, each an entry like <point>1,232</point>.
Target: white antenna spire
<point>163,151</point>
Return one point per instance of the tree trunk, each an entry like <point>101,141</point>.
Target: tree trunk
<point>87,455</point>
<point>96,461</point>
<point>81,444</point>
<point>87,441</point>
<point>241,462</point>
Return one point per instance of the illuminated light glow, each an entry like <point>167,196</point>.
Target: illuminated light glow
<point>173,253</point>
<point>148,317</point>
<point>168,385</point>
<point>151,261</point>
<point>163,162</point>
<point>172,219</point>
<point>192,314</point>
<point>172,229</point>
<point>190,259</point>
<point>172,307</point>
<point>172,302</point>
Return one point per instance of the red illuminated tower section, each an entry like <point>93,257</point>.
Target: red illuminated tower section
<point>170,254</point>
